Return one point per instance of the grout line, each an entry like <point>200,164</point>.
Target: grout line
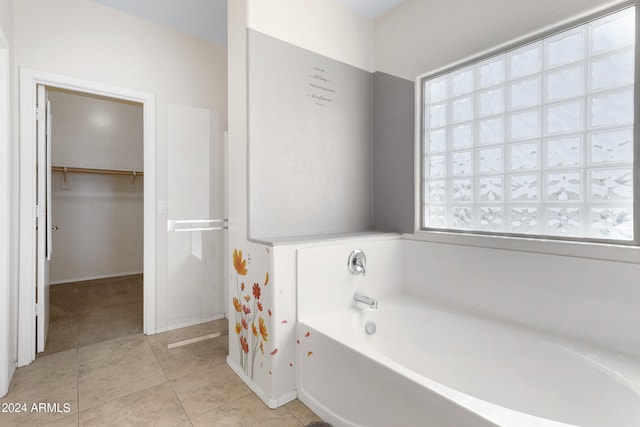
<point>155,354</point>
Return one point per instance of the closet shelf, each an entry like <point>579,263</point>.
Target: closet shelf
<point>65,169</point>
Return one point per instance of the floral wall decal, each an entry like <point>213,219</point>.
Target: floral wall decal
<point>249,306</point>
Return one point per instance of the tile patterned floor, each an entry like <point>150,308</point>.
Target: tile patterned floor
<point>134,380</point>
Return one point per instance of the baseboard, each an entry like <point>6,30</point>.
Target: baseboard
<point>103,276</point>
<point>190,323</point>
<point>270,402</point>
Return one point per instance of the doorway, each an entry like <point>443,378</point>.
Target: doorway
<point>96,221</point>
<point>29,80</point>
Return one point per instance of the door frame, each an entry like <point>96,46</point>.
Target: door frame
<point>7,360</point>
<point>29,79</point>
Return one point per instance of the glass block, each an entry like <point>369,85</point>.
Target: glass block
<point>612,146</point>
<point>437,115</point>
<point>436,140</point>
<point>564,221</point>
<point>437,191</point>
<point>462,190</point>
<point>524,93</point>
<point>491,131</point>
<point>437,166</point>
<point>524,156</point>
<point>436,89</point>
<point>491,72</point>
<point>436,217</point>
<point>564,83</point>
<point>563,186</point>
<point>524,61</point>
<point>564,117</point>
<point>491,101</point>
<point>462,136</point>
<point>524,220</point>
<point>613,32</point>
<point>612,71</point>
<point>611,184</point>
<point>612,223</point>
<point>490,189</point>
<point>614,108</point>
<point>524,125</point>
<point>491,160</point>
<point>524,188</point>
<point>563,152</point>
<point>461,163</point>
<point>564,48</point>
<point>461,217</point>
<point>490,218</point>
<point>462,109</point>
<point>462,81</point>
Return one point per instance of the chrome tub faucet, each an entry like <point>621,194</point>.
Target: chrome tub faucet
<point>371,302</point>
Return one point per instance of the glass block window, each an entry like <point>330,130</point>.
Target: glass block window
<point>538,140</point>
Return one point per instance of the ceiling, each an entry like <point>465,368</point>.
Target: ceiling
<point>207,19</point>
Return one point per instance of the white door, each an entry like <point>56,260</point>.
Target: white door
<point>43,234</point>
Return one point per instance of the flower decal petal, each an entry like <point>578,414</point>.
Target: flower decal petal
<point>256,290</point>
<point>263,329</point>
<point>237,305</point>
<point>239,264</point>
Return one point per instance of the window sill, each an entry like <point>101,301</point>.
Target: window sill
<point>599,251</point>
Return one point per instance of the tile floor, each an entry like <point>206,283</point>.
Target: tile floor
<point>135,380</point>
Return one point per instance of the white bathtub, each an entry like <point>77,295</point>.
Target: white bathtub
<point>431,366</point>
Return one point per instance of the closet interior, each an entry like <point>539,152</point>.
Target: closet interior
<point>97,197</point>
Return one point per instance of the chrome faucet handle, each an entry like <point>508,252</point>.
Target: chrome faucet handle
<point>357,262</point>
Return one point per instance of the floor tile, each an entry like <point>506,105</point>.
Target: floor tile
<point>116,368</point>
<point>155,406</point>
<point>208,389</point>
<point>191,358</point>
<point>302,412</point>
<point>50,379</point>
<point>247,411</point>
<point>66,421</point>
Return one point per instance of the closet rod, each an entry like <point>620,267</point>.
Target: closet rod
<point>65,169</point>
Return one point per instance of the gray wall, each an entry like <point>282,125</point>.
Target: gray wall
<point>310,142</point>
<point>393,153</point>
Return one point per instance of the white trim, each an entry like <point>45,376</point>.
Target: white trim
<point>191,323</point>
<point>102,276</point>
<point>270,402</point>
<point>29,78</point>
<point>7,365</point>
<point>599,251</point>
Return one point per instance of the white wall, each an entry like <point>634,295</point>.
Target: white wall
<point>582,299</point>
<point>100,227</point>
<point>8,263</point>
<point>85,40</point>
<point>95,132</point>
<point>322,26</point>
<point>325,283</point>
<point>314,157</point>
<point>420,36</point>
